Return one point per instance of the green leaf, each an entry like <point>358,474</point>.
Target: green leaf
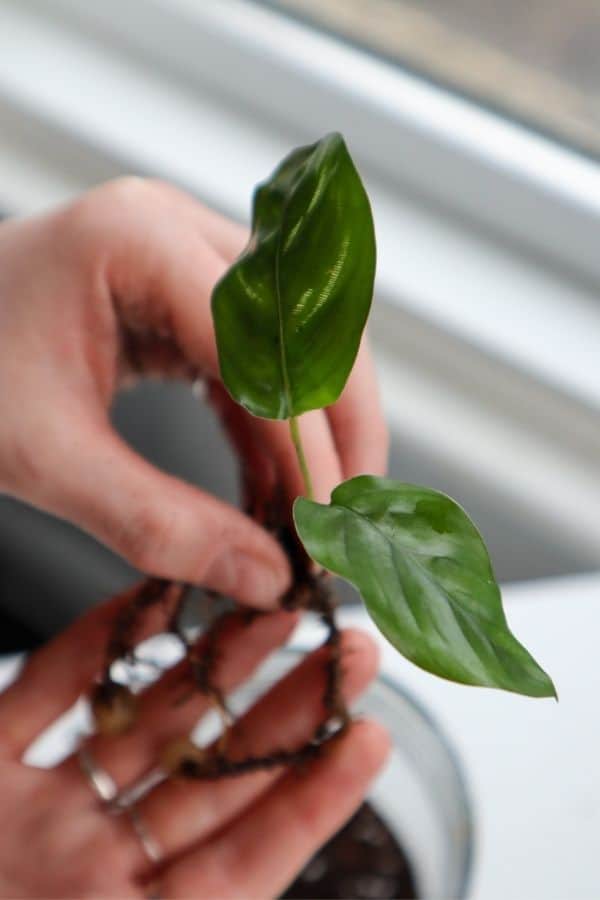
<point>426,578</point>
<point>290,312</point>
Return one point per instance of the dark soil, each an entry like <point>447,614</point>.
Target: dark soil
<point>362,862</point>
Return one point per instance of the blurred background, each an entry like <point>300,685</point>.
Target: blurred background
<point>476,126</point>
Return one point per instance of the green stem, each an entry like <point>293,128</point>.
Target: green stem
<point>297,441</point>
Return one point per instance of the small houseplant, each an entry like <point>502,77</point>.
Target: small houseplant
<point>288,316</point>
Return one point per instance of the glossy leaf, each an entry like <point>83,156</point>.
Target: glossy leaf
<point>290,312</point>
<point>426,578</point>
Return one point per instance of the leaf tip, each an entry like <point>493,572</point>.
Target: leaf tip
<point>548,691</point>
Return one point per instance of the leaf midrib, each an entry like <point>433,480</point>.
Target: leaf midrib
<point>287,389</point>
<point>458,610</point>
<point>284,369</point>
<point>416,553</point>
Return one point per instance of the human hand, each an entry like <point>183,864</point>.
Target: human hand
<point>117,286</point>
<point>246,836</point>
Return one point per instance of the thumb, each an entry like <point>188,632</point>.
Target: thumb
<point>160,524</point>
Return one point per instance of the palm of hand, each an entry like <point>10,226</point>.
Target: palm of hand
<point>59,844</point>
<point>246,836</point>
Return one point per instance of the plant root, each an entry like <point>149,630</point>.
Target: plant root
<point>113,705</point>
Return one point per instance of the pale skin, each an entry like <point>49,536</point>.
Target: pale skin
<point>114,287</point>
<point>241,837</point>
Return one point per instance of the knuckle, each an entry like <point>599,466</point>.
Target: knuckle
<point>105,209</point>
<point>82,221</point>
<point>132,189</point>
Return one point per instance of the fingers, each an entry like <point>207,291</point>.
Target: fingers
<point>268,457</point>
<point>227,237</point>
<point>257,466</point>
<point>359,429</point>
<point>160,717</point>
<point>180,813</point>
<point>260,853</point>
<point>163,263</point>
<point>154,232</point>
<point>164,526</point>
<point>56,675</point>
<point>155,286</point>
<point>348,439</point>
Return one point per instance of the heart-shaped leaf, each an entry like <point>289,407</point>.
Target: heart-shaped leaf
<point>426,578</point>
<point>290,312</point>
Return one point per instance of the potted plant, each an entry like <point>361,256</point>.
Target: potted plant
<point>289,316</point>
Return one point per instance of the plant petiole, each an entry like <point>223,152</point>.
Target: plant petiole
<point>297,441</point>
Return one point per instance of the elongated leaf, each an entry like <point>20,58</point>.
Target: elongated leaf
<point>290,312</point>
<point>426,578</point>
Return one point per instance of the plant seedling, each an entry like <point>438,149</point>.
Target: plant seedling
<point>289,315</point>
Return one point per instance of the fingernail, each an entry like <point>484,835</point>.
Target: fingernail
<point>244,578</point>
